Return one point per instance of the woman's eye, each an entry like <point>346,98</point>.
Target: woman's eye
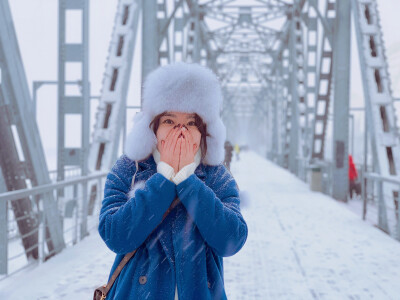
<point>192,123</point>
<point>168,121</point>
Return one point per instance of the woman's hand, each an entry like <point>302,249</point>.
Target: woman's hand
<point>188,148</point>
<point>170,149</point>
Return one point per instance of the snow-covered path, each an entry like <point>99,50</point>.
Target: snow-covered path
<point>305,245</point>
<point>301,245</point>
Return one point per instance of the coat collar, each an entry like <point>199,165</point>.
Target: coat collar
<point>150,164</point>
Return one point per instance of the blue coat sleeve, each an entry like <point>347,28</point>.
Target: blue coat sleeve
<point>215,210</point>
<point>124,224</point>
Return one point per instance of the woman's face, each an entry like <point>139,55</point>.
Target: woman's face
<point>170,120</point>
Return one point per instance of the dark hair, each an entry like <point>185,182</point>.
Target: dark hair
<point>201,126</point>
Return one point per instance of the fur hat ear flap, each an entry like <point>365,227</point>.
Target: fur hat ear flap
<point>215,143</point>
<point>141,139</point>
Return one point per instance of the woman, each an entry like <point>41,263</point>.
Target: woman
<point>178,141</point>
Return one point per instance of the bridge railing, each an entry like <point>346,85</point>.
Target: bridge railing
<point>384,201</point>
<point>380,195</point>
<point>78,213</point>
<point>69,172</point>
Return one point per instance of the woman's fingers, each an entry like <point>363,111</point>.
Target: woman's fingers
<point>177,148</point>
<point>188,140</point>
<point>172,140</point>
<point>177,142</point>
<point>184,149</point>
<point>170,133</point>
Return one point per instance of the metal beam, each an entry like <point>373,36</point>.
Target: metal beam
<point>340,184</point>
<point>22,157</point>
<point>150,37</point>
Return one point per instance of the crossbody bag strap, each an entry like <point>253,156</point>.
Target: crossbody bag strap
<point>129,255</point>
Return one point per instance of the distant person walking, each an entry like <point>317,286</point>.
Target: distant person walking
<point>237,151</point>
<point>354,185</point>
<point>228,154</point>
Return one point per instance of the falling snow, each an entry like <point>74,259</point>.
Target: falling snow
<point>301,245</point>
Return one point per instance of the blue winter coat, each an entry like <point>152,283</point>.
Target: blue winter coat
<point>187,248</point>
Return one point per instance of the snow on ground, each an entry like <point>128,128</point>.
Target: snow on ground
<point>305,245</point>
<point>72,274</point>
<point>301,245</point>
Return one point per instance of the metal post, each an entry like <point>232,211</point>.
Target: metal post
<point>275,127</point>
<point>351,117</point>
<point>364,180</point>
<point>150,37</point>
<point>84,211</point>
<point>398,217</point>
<point>76,215</point>
<point>340,184</point>
<point>382,217</point>
<point>42,233</point>
<point>3,237</point>
<point>197,44</point>
<point>71,52</point>
<point>34,98</point>
<point>294,118</point>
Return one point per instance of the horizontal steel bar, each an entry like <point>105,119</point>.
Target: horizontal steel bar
<point>390,179</point>
<point>46,188</point>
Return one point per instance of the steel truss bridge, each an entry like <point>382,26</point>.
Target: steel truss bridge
<point>284,66</point>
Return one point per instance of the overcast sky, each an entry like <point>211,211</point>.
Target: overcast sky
<point>36,26</point>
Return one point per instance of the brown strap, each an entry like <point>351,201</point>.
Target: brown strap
<point>129,255</point>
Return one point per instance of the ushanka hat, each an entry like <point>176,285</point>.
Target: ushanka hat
<point>180,87</point>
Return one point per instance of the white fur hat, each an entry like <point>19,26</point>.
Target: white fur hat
<point>182,87</point>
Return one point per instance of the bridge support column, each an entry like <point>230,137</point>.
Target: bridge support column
<point>341,60</point>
